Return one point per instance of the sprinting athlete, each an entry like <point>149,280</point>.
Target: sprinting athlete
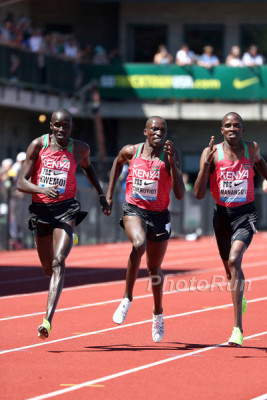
<point>154,168</point>
<point>229,166</point>
<point>49,175</point>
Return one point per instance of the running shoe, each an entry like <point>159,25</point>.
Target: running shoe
<point>157,328</point>
<point>75,239</point>
<point>44,329</point>
<point>236,339</point>
<point>244,304</point>
<point>121,312</point>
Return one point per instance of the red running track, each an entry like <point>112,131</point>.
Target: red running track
<point>88,356</point>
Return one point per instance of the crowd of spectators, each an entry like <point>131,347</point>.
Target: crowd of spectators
<point>208,59</point>
<point>24,35</point>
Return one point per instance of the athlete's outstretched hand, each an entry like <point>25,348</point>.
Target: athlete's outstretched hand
<point>211,150</point>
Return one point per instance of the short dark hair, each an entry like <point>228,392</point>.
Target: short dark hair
<point>233,112</point>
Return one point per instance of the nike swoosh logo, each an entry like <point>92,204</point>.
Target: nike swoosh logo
<point>222,168</point>
<point>139,165</point>
<point>58,173</point>
<point>237,184</point>
<point>148,183</point>
<point>239,85</point>
<point>159,234</point>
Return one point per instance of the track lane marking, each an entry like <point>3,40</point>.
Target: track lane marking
<point>137,369</point>
<point>125,326</point>
<point>262,397</point>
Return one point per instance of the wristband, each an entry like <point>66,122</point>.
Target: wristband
<point>102,195</point>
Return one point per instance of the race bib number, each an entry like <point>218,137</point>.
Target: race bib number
<point>145,189</point>
<point>233,191</point>
<point>51,177</point>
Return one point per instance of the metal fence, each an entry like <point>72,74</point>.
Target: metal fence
<point>188,216</point>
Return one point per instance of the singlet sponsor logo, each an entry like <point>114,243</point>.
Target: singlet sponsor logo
<point>141,174</point>
<point>56,162</point>
<point>231,175</point>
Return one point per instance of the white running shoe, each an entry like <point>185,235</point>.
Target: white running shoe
<point>157,328</point>
<point>121,312</point>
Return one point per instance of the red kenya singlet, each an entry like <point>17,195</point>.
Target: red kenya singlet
<point>231,182</point>
<point>55,168</point>
<point>148,184</point>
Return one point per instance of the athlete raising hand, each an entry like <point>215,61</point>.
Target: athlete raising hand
<point>229,166</point>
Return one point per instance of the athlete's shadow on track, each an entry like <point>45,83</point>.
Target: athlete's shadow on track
<point>170,346</point>
<point>194,346</point>
<point>18,279</point>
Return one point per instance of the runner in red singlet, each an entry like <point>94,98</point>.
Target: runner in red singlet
<point>154,168</point>
<point>229,166</point>
<point>49,175</point>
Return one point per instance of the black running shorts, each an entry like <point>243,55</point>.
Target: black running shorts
<point>46,217</point>
<point>158,223</point>
<point>234,223</point>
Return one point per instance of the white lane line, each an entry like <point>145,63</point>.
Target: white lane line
<point>143,296</point>
<point>262,397</point>
<point>124,326</point>
<point>90,285</point>
<point>137,369</point>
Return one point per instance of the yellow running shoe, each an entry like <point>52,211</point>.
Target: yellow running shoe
<point>75,239</point>
<point>244,304</point>
<point>236,339</point>
<point>44,329</point>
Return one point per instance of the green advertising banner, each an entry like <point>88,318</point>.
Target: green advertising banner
<point>149,81</point>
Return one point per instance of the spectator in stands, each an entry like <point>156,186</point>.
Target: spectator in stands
<point>208,59</point>
<point>57,44</point>
<point>21,157</point>
<point>25,25</point>
<point>4,169</point>
<point>16,206</point>
<point>22,33</point>
<point>8,31</point>
<point>185,56</point>
<point>234,57</point>
<point>71,48</point>
<point>36,41</point>
<point>100,57</point>
<point>163,56</point>
<point>251,58</point>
